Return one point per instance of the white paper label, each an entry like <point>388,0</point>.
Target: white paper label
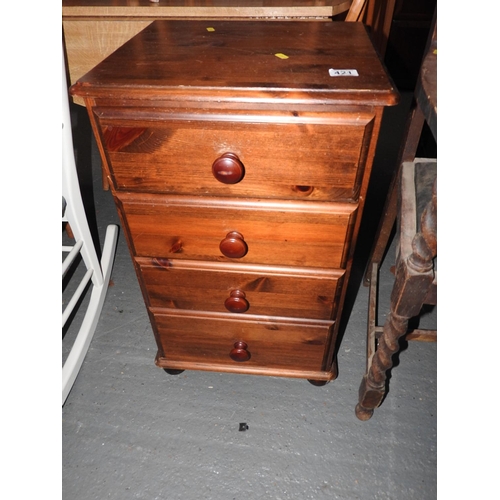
<point>343,72</point>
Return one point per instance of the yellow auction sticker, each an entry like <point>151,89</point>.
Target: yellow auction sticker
<point>281,56</point>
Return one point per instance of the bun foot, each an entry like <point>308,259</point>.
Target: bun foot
<point>363,413</point>
<point>173,372</point>
<point>318,383</point>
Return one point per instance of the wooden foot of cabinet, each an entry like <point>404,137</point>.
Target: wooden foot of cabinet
<point>173,372</point>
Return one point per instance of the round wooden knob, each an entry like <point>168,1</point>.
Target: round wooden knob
<point>233,245</point>
<point>236,302</point>
<point>239,352</point>
<point>228,169</point>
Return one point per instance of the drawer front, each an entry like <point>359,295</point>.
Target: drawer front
<point>240,289</point>
<point>206,339</point>
<point>308,156</point>
<point>288,234</point>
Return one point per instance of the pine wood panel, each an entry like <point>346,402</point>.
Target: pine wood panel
<point>93,29</point>
<point>272,342</point>
<point>284,233</point>
<point>271,291</point>
<point>314,156</point>
<point>237,62</point>
<point>202,8</point>
<point>88,42</point>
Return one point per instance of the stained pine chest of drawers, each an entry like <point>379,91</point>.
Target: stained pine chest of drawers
<point>239,155</point>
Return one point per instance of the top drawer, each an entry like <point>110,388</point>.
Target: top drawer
<point>316,156</point>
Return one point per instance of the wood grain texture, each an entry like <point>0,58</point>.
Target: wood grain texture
<point>247,276</point>
<point>274,291</point>
<point>89,42</point>
<point>285,233</point>
<point>356,10</point>
<point>93,29</point>
<point>203,8</point>
<point>313,156</point>
<point>272,342</point>
<point>237,62</point>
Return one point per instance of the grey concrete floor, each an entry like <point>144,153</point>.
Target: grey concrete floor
<point>131,431</point>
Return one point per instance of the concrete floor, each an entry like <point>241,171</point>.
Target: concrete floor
<point>130,431</point>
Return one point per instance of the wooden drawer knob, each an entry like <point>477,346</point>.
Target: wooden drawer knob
<point>236,302</point>
<point>228,169</point>
<point>239,352</point>
<point>233,245</point>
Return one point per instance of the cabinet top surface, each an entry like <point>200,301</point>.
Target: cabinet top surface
<point>260,61</point>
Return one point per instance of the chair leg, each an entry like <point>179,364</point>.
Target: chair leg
<point>414,278</point>
<point>372,388</point>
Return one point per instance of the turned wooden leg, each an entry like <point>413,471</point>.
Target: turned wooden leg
<point>372,388</point>
<point>413,280</point>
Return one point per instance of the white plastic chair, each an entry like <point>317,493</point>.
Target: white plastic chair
<point>98,273</point>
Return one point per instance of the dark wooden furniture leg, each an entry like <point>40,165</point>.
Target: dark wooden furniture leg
<point>416,279</point>
<point>413,285</point>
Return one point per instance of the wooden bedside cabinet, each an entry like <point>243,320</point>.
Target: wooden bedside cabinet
<point>239,155</point>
